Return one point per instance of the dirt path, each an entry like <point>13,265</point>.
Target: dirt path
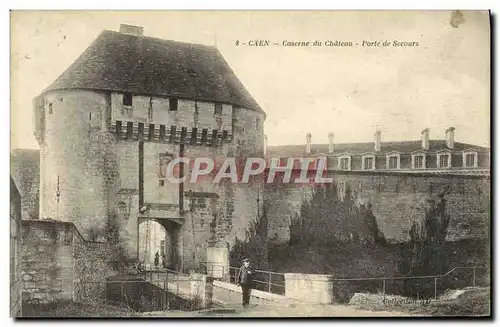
<point>282,311</point>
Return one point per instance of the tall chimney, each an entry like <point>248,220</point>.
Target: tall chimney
<point>308,144</point>
<point>330,142</point>
<point>265,145</point>
<point>378,134</point>
<point>131,29</point>
<point>425,139</point>
<point>450,137</point>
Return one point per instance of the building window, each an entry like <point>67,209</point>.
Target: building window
<point>218,109</point>
<point>257,123</point>
<point>173,104</point>
<point>443,160</point>
<point>368,163</point>
<point>470,159</point>
<point>345,163</point>
<point>127,99</point>
<point>50,108</point>
<point>393,161</point>
<point>418,161</point>
<point>161,182</point>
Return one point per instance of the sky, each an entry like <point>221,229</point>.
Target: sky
<point>349,91</point>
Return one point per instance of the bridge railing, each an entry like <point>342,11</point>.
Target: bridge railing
<point>148,291</point>
<point>424,287</point>
<point>264,280</point>
<point>344,287</point>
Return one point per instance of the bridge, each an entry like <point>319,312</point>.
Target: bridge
<point>172,290</point>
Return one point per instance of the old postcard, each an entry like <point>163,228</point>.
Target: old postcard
<point>250,164</point>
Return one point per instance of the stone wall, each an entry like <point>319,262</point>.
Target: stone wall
<point>15,244</point>
<point>57,261</point>
<point>397,201</point>
<point>25,171</point>
<point>227,294</point>
<point>310,288</point>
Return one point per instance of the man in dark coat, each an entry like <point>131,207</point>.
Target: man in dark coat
<point>157,259</point>
<point>245,280</point>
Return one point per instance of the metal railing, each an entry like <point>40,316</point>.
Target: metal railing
<point>424,287</point>
<point>415,286</point>
<point>149,291</point>
<point>267,281</point>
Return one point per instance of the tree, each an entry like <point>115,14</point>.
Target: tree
<point>424,254</point>
<point>331,218</point>
<point>254,246</point>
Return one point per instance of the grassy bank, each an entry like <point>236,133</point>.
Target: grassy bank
<point>69,309</point>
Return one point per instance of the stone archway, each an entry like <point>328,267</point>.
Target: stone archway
<point>164,238</point>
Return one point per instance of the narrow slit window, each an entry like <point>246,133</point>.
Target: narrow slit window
<point>218,109</point>
<point>173,104</point>
<point>50,108</point>
<point>127,99</point>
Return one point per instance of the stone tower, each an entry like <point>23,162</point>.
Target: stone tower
<point>109,122</point>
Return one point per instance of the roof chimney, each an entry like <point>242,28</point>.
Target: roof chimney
<point>450,137</point>
<point>265,145</point>
<point>378,134</point>
<point>308,144</point>
<point>330,142</point>
<point>425,139</point>
<point>131,29</point>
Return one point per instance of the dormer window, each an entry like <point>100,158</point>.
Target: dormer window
<point>418,161</point>
<point>443,160</point>
<point>368,162</point>
<point>393,160</point>
<point>173,104</point>
<point>344,162</point>
<point>127,99</point>
<point>470,159</point>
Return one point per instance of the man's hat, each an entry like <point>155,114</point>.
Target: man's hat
<point>246,260</point>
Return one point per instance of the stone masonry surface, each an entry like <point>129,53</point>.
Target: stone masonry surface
<point>57,261</point>
<point>397,201</point>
